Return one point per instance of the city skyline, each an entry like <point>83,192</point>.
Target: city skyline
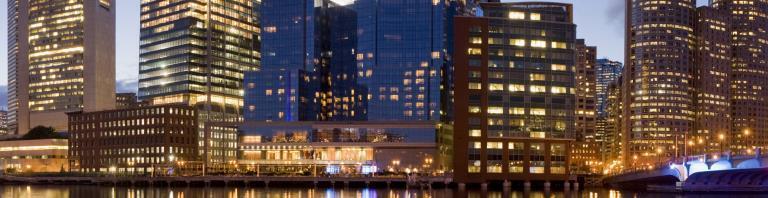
<point>589,24</point>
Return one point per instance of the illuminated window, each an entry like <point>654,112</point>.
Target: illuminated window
<point>517,111</point>
<point>538,44</point>
<point>495,110</point>
<point>559,67</point>
<point>476,86</point>
<point>535,16</point>
<point>538,89</point>
<point>476,40</point>
<point>475,133</point>
<point>538,135</point>
<point>495,145</point>
<point>474,51</point>
<point>516,87</point>
<point>559,90</point>
<point>474,109</point>
<point>559,45</point>
<point>496,87</point>
<point>517,42</point>
<point>516,15</point>
<point>538,111</point>
<point>538,77</point>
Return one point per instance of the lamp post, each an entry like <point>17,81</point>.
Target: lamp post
<point>747,144</point>
<point>721,138</point>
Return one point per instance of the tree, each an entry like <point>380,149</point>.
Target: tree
<point>41,132</point>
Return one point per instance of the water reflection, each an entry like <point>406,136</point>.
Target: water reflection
<point>34,191</point>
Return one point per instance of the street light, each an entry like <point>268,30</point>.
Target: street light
<point>721,137</point>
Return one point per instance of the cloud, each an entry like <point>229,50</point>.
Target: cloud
<point>127,85</point>
<point>615,14</point>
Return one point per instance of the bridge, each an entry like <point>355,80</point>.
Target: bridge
<point>697,174</point>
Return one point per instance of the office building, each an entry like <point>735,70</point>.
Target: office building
<point>329,147</point>
<point>658,82</point>
<point>126,100</point>
<point>308,70</point>
<point>195,52</point>
<point>4,129</point>
<point>585,151</point>
<point>749,107</point>
<point>29,156</point>
<point>713,84</point>
<point>514,93</point>
<point>61,59</point>
<point>607,72</point>
<point>142,140</point>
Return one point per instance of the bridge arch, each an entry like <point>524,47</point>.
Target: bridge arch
<point>722,164</point>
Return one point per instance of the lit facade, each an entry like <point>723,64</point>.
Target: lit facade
<point>308,71</point>
<point>658,82</point>
<point>514,93</point>
<point>585,151</point>
<point>713,75</point>
<point>61,59</point>
<point>195,52</point>
<point>606,73</point>
<point>749,100</point>
<point>126,100</point>
<point>321,148</point>
<point>25,156</point>
<point>143,140</point>
<point>402,57</point>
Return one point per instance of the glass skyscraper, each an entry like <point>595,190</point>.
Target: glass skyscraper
<point>401,55</point>
<point>371,60</point>
<point>195,52</point>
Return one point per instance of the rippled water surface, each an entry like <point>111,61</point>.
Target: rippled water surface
<point>61,191</point>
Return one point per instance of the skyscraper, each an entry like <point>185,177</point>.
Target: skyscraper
<point>606,73</point>
<point>514,93</point>
<point>61,59</point>
<point>308,72</point>
<point>586,148</point>
<point>401,57</point>
<point>195,52</point>
<point>658,82</point>
<point>749,101</point>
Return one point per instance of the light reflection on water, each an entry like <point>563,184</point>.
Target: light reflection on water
<point>61,191</point>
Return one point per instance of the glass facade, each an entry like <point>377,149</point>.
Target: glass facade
<point>401,57</point>
<point>195,52</point>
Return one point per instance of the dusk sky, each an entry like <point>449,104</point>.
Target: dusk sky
<point>600,22</point>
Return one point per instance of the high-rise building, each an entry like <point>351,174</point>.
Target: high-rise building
<point>658,83</point>
<point>308,71</point>
<point>712,81</point>
<point>402,57</point>
<point>585,156</point>
<point>61,59</point>
<point>606,73</point>
<point>749,82</point>
<point>126,100</point>
<point>195,52</point>
<point>514,93</point>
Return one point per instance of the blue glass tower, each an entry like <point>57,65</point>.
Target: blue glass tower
<point>401,57</point>
<point>308,63</point>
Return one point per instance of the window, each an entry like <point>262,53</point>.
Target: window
<point>559,90</point>
<point>496,87</point>
<point>474,51</point>
<point>475,86</point>
<point>538,111</point>
<point>538,77</point>
<point>559,67</point>
<point>517,111</point>
<point>495,110</point>
<point>535,16</point>
<point>517,42</point>
<point>516,88</point>
<point>474,109</point>
<point>538,134</point>
<point>495,41</point>
<point>538,89</point>
<point>475,133</point>
<point>475,74</point>
<point>476,40</point>
<point>495,145</point>
<point>559,45</point>
<point>538,44</point>
<point>516,15</point>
